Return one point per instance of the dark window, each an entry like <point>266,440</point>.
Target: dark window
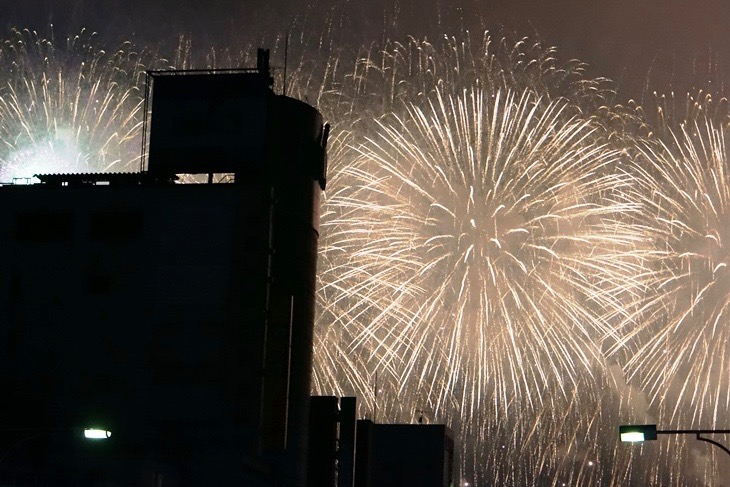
<point>116,225</point>
<point>44,227</point>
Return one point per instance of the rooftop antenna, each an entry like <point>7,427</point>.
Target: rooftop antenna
<point>286,58</point>
<point>375,412</point>
<point>421,413</point>
<point>262,65</point>
<point>145,114</point>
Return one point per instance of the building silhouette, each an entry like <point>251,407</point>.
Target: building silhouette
<point>347,452</point>
<point>404,455</point>
<point>176,316</point>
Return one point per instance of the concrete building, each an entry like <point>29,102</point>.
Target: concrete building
<point>176,316</point>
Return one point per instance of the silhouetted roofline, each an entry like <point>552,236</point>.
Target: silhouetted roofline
<point>114,178</point>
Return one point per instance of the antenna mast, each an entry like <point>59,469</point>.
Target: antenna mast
<point>286,58</point>
<point>375,412</point>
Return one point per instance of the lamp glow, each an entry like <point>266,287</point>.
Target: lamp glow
<point>632,436</point>
<point>637,432</point>
<point>96,434</point>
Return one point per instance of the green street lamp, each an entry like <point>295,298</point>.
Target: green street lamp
<point>94,434</point>
<point>647,432</point>
<point>637,433</point>
<point>97,434</point>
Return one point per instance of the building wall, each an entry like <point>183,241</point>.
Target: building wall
<point>118,307</point>
<point>177,316</point>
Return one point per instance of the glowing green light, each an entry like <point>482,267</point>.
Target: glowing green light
<point>637,432</point>
<point>632,436</point>
<point>96,434</point>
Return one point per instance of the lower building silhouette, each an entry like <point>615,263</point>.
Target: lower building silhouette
<point>345,452</point>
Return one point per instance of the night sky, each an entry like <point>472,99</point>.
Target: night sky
<point>657,45</point>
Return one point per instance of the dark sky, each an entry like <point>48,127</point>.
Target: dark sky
<point>670,42</point>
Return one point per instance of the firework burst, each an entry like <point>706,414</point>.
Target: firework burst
<point>680,324</point>
<point>480,229</point>
<point>70,109</point>
<point>673,342</point>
